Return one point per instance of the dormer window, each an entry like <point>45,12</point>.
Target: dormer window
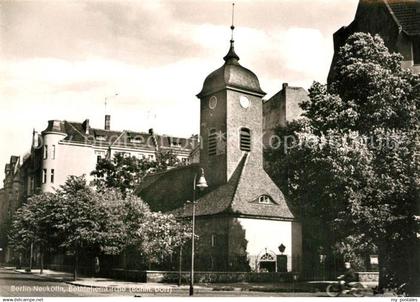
<point>135,140</point>
<point>245,139</point>
<point>264,199</point>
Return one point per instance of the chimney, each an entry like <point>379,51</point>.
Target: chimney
<point>107,122</point>
<point>285,85</point>
<point>35,139</point>
<point>85,126</point>
<point>152,135</point>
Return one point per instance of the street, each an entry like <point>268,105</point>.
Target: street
<point>15,284</point>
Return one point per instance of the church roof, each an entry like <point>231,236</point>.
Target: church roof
<point>168,190</point>
<point>231,75</point>
<point>240,196</point>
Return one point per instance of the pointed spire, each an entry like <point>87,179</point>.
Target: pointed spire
<point>232,57</point>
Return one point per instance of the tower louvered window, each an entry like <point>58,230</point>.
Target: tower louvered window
<point>416,50</point>
<point>245,139</point>
<point>212,142</point>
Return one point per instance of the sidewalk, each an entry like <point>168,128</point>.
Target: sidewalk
<point>167,287</point>
<point>110,283</point>
<point>285,287</point>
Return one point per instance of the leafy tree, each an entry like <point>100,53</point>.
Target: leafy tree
<point>160,235</point>
<point>32,225</point>
<point>123,219</point>
<point>84,221</point>
<point>125,173</point>
<point>370,90</point>
<point>349,167</point>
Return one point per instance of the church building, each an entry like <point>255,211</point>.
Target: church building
<point>243,221</point>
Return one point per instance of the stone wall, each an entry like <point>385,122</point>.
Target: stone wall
<point>200,277</point>
<point>368,276</point>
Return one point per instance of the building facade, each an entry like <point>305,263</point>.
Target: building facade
<point>72,148</point>
<point>281,108</point>
<point>396,21</point>
<point>11,198</point>
<point>242,217</point>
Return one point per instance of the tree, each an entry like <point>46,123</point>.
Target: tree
<point>125,173</point>
<point>351,171</point>
<point>370,90</point>
<point>86,222</point>
<point>154,235</point>
<point>32,225</point>
<point>160,235</point>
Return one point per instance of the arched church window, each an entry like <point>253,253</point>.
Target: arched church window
<point>212,142</point>
<point>245,139</point>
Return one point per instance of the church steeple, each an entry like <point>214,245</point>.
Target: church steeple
<point>232,57</point>
<point>231,75</point>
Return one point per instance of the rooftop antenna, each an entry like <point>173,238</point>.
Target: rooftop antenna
<point>109,97</point>
<point>232,27</point>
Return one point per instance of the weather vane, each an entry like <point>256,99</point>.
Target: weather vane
<point>232,27</point>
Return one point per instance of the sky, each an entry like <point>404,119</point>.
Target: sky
<point>63,59</point>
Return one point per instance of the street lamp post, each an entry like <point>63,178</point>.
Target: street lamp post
<point>201,184</point>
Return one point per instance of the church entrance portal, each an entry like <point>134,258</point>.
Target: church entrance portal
<point>267,262</point>
<point>267,266</point>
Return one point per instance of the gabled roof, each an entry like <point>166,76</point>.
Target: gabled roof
<point>407,14</point>
<point>240,194</point>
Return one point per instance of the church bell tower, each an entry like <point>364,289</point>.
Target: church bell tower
<point>230,119</point>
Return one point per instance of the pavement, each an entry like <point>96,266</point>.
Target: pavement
<point>115,285</point>
<point>289,288</point>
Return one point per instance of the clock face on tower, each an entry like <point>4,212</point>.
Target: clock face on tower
<point>244,102</point>
<point>213,102</point>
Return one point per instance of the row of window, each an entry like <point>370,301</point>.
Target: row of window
<point>244,140</point>
<point>45,176</point>
<point>101,154</point>
<point>51,153</point>
<point>140,140</point>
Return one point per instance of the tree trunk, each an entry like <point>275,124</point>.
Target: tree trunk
<point>31,256</point>
<point>76,260</point>
<point>382,266</point>
<point>42,260</point>
<point>180,267</point>
<point>20,260</point>
<point>125,264</point>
